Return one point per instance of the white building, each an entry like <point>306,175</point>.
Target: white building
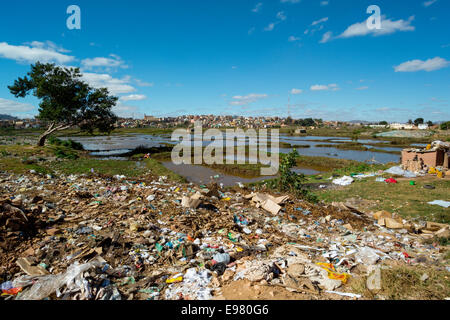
<point>401,126</point>
<point>423,126</point>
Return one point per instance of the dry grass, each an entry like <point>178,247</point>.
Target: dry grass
<point>403,283</point>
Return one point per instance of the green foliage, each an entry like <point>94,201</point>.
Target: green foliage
<point>66,100</point>
<point>66,143</point>
<point>290,181</point>
<point>418,121</point>
<point>308,122</point>
<point>355,134</point>
<point>445,126</point>
<point>64,153</point>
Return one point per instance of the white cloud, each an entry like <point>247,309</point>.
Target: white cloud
<point>114,85</point>
<point>270,27</point>
<point>387,27</point>
<point>13,107</point>
<point>362,88</point>
<point>35,51</point>
<point>47,44</point>
<point>125,111</point>
<point>293,39</point>
<point>326,37</point>
<point>429,3</point>
<point>133,97</point>
<point>251,30</point>
<point>281,15</point>
<point>419,65</point>
<point>245,100</point>
<point>257,8</point>
<point>101,62</point>
<point>324,3</point>
<point>319,21</point>
<point>322,87</point>
<point>290,1</point>
<point>141,83</point>
<point>296,91</point>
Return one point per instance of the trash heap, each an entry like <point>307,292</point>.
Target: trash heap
<point>433,159</point>
<point>111,238</point>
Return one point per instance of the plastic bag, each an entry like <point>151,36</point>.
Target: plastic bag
<point>47,285</point>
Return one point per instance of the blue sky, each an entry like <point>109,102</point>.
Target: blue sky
<point>241,57</point>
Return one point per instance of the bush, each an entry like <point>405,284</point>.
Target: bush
<point>290,181</point>
<point>66,143</point>
<point>445,126</point>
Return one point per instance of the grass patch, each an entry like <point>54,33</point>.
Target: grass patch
<point>158,169</point>
<point>403,283</point>
<point>402,198</point>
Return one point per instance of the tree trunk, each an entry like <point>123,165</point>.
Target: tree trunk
<point>42,139</point>
<point>44,136</point>
<point>49,131</point>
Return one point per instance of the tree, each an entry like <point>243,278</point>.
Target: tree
<point>445,125</point>
<point>418,121</point>
<point>383,123</point>
<point>410,121</point>
<point>66,100</point>
<point>430,123</point>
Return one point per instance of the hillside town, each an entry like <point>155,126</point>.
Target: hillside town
<point>229,121</point>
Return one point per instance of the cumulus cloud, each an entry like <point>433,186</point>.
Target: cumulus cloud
<point>326,37</point>
<point>133,97</point>
<point>388,26</point>
<point>14,107</point>
<point>324,3</point>
<point>296,91</point>
<point>293,39</point>
<point>245,100</point>
<point>125,111</point>
<point>35,51</point>
<point>113,61</point>
<point>114,85</point>
<point>322,87</point>
<point>420,65</point>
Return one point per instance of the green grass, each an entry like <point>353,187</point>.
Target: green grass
<point>402,198</point>
<point>158,169</point>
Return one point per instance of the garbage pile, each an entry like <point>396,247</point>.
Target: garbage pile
<point>113,238</point>
<point>433,159</point>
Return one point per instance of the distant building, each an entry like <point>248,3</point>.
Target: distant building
<point>401,126</point>
<point>423,126</point>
